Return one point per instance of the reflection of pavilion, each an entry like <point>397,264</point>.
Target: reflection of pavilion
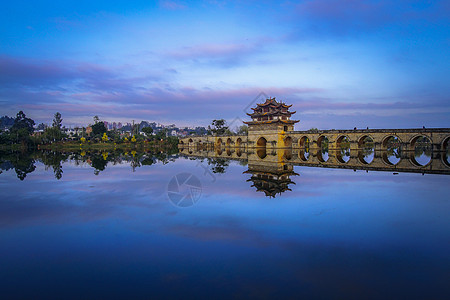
<point>272,179</point>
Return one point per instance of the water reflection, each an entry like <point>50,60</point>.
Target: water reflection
<point>271,179</point>
<point>366,155</point>
<point>23,163</point>
<point>420,160</point>
<point>393,152</point>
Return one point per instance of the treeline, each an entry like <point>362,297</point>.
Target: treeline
<point>21,133</point>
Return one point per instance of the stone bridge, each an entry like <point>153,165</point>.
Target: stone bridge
<point>379,139</point>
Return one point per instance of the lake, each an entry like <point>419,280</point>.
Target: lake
<point>158,225</point>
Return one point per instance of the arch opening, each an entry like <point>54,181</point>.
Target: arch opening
<point>392,150</point>
<point>219,142</point>
<point>421,156</point>
<point>303,142</point>
<point>229,142</point>
<point>288,142</point>
<point>304,154</point>
<point>366,149</point>
<point>365,142</point>
<point>262,153</point>
<point>262,142</point>
<point>446,151</point>
<point>287,154</point>
<point>322,152</point>
<point>343,149</point>
<point>238,142</point>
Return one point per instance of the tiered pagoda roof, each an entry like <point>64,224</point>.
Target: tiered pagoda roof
<point>271,111</point>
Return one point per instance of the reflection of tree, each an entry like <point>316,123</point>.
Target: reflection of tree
<point>22,163</point>
<point>367,151</point>
<point>419,150</point>
<point>24,166</point>
<point>53,159</point>
<point>344,151</point>
<point>98,163</point>
<point>394,151</point>
<point>218,165</point>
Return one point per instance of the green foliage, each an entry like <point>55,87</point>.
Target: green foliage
<point>162,134</point>
<point>147,130</point>
<point>22,122</point>
<point>242,130</point>
<point>57,121</point>
<point>98,128</point>
<point>219,127</point>
<point>52,134</point>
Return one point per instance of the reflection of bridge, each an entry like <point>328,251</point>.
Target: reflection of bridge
<point>438,163</point>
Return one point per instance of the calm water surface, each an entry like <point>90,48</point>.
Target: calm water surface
<point>107,229</point>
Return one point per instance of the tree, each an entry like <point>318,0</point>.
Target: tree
<point>98,128</point>
<point>41,126</point>
<point>22,122</point>
<point>57,121</point>
<point>242,130</point>
<point>219,126</point>
<point>147,130</point>
<point>96,119</point>
<point>162,134</point>
<point>52,134</point>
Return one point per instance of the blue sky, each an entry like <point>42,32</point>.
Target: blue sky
<point>340,63</point>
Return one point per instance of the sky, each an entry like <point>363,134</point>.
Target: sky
<point>341,64</point>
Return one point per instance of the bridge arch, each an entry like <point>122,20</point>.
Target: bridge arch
<point>261,142</point>
<point>445,143</point>
<point>417,138</point>
<point>363,140</point>
<point>261,153</point>
<point>303,142</point>
<point>229,152</point>
<point>387,138</point>
<point>229,142</point>
<point>445,151</point>
<point>421,146</point>
<point>219,142</point>
<point>303,155</point>
<point>322,157</point>
<point>343,149</point>
<point>287,154</point>
<point>342,140</point>
<point>238,142</point>
<point>366,158</point>
<point>322,141</point>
